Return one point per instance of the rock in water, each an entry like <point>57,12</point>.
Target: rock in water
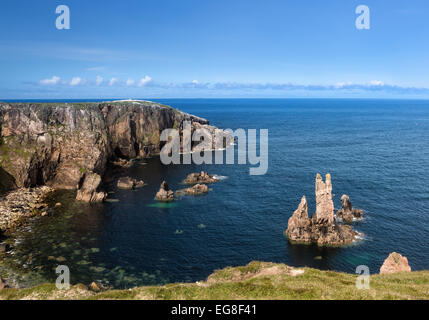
<point>395,263</point>
<point>164,194</point>
<point>198,178</point>
<point>347,213</point>
<point>322,228</point>
<point>128,183</point>
<point>88,190</point>
<point>324,204</point>
<point>196,190</point>
<point>299,225</point>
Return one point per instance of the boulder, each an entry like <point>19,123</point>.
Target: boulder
<point>395,263</point>
<point>128,183</point>
<point>3,284</point>
<point>4,247</point>
<point>164,194</point>
<point>322,227</point>
<point>197,189</point>
<point>348,213</point>
<point>88,190</point>
<point>199,178</point>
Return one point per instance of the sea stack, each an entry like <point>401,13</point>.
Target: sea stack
<point>164,194</point>
<point>348,213</point>
<point>322,227</point>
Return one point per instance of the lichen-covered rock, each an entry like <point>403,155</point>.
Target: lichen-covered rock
<point>200,178</point>
<point>55,144</point>
<point>89,189</point>
<point>128,183</point>
<point>322,227</point>
<point>164,194</point>
<point>395,262</point>
<point>348,213</point>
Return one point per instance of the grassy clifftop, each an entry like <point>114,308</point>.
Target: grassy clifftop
<point>257,280</point>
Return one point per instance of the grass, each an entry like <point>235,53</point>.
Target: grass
<point>257,280</point>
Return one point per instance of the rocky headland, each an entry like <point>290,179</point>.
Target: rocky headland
<point>71,145</point>
<point>322,228</point>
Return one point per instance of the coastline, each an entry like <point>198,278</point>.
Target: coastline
<point>256,281</point>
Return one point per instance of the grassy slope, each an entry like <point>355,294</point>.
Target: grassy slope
<point>254,281</point>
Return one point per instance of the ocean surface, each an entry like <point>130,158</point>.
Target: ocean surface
<point>377,151</point>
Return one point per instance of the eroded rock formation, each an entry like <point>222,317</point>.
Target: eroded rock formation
<point>348,213</point>
<point>89,189</point>
<point>197,189</point>
<point>322,227</point>
<point>55,144</point>
<point>395,262</point>
<point>164,194</point>
<point>128,183</point>
<point>200,178</point>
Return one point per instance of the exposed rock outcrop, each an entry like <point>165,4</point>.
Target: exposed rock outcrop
<point>89,189</point>
<point>128,183</point>
<point>395,263</point>
<point>199,178</point>
<point>322,227</point>
<point>55,144</point>
<point>348,213</point>
<point>165,194</point>
<point>195,190</point>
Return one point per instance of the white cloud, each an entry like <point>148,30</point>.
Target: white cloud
<point>144,81</point>
<point>195,82</point>
<point>113,81</point>
<point>130,82</point>
<point>99,80</point>
<point>77,81</point>
<point>376,83</point>
<point>51,81</point>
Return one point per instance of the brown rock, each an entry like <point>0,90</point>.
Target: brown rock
<point>324,204</point>
<point>3,284</point>
<point>199,178</point>
<point>164,194</point>
<point>197,189</point>
<point>128,183</point>
<point>88,190</point>
<point>347,213</point>
<point>395,263</point>
<point>299,225</point>
<point>94,287</point>
<point>322,228</point>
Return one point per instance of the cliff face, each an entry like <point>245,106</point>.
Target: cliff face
<point>56,143</point>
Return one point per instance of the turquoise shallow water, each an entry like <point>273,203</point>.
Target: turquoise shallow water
<point>376,150</point>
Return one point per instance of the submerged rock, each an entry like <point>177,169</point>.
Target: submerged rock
<point>322,227</point>
<point>395,263</point>
<point>88,190</point>
<point>348,213</point>
<point>164,194</point>
<point>128,183</point>
<point>198,178</point>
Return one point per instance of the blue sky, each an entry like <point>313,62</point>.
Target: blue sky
<point>214,48</point>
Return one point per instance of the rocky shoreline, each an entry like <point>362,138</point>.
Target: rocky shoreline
<point>18,206</point>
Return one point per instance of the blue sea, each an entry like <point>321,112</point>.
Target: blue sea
<point>377,152</point>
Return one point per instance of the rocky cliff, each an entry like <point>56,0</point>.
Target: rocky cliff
<point>56,144</point>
